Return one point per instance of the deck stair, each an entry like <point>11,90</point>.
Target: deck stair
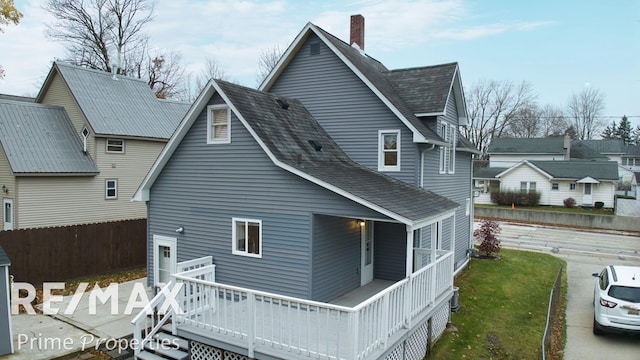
<point>165,346</point>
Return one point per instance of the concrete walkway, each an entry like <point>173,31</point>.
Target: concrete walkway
<point>51,336</point>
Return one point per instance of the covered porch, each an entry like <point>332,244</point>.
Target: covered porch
<point>362,324</point>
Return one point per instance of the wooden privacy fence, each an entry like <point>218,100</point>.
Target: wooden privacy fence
<point>71,252</point>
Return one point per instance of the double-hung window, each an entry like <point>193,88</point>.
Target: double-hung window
<point>111,189</point>
<point>218,124</point>
<point>115,146</point>
<point>247,237</point>
<point>447,153</point>
<point>389,150</point>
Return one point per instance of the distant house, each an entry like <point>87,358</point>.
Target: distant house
<point>553,166</point>
<point>78,153</point>
<point>334,204</point>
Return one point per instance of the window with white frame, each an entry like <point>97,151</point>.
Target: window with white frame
<point>447,153</point>
<point>526,187</point>
<point>389,150</point>
<point>115,146</point>
<point>111,189</point>
<point>572,186</point>
<point>218,124</point>
<point>555,186</point>
<point>247,237</point>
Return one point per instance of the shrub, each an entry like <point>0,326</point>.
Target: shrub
<point>516,197</point>
<point>486,234</point>
<point>569,203</point>
<point>598,204</point>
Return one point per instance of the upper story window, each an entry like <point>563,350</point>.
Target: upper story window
<point>555,186</point>
<point>111,189</point>
<point>115,146</point>
<point>389,150</point>
<point>449,133</point>
<point>218,124</point>
<point>247,237</point>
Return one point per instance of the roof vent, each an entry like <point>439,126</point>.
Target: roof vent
<point>317,146</point>
<point>283,103</point>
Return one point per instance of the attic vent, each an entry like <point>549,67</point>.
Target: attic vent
<point>317,146</point>
<point>314,48</point>
<point>283,103</point>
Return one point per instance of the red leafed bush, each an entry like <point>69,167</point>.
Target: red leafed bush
<point>487,235</point>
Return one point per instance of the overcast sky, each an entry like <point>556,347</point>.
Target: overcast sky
<point>558,46</point>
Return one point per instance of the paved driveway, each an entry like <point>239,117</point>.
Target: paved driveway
<point>581,343</point>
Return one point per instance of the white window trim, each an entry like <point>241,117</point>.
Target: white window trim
<point>210,110</point>
<point>106,189</point>
<point>381,165</point>
<point>106,146</point>
<point>467,209</point>
<point>8,225</point>
<point>170,242</point>
<point>447,159</point>
<point>453,134</point>
<point>234,245</point>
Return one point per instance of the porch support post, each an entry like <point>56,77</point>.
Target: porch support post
<point>409,267</point>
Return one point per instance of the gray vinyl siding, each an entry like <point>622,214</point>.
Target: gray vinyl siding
<point>345,107</point>
<point>456,187</point>
<point>390,255</point>
<point>204,185</point>
<point>336,257</point>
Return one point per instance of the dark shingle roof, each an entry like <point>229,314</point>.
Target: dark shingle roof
<point>40,139</point>
<point>549,145</point>
<point>575,169</point>
<point>487,172</point>
<point>580,150</point>
<point>286,134</point>
<point>426,89</point>
<point>612,146</point>
<point>123,106</point>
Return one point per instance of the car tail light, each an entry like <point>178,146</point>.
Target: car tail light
<point>607,303</point>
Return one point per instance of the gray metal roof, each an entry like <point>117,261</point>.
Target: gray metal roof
<point>425,89</point>
<point>120,106</point>
<point>4,258</point>
<point>576,169</point>
<point>288,134</point>
<point>548,145</point>
<point>40,139</point>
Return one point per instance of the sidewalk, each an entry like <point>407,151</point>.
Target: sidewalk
<point>50,336</point>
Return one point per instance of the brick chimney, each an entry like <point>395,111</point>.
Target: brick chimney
<point>357,31</point>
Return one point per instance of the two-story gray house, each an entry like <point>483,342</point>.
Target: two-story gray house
<point>322,216</point>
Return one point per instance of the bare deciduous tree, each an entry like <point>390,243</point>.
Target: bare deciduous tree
<point>268,60</point>
<point>553,121</point>
<point>584,109</point>
<point>492,107</point>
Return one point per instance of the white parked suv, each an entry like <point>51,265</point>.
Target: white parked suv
<point>616,300</point>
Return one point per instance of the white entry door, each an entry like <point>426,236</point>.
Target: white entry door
<point>587,199</point>
<point>164,259</point>
<point>366,234</point>
<point>7,213</point>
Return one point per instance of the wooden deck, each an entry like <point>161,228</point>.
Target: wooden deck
<point>358,325</point>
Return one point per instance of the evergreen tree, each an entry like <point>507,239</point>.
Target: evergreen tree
<point>635,136</point>
<point>624,130</point>
<point>610,132</point>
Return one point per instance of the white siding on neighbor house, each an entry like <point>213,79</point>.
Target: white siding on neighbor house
<point>68,200</point>
<point>605,192</point>
<point>59,94</point>
<point>506,161</point>
<point>7,179</point>
<point>512,180</point>
<point>557,197</point>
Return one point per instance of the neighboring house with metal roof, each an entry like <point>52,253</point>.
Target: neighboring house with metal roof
<point>553,166</point>
<point>335,196</point>
<point>78,154</point>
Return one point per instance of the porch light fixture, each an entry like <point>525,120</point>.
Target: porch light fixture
<point>362,223</point>
<point>5,189</point>
<point>180,230</point>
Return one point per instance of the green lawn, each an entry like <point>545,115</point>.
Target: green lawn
<point>504,307</point>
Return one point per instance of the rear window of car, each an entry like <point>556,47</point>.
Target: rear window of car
<point>626,293</point>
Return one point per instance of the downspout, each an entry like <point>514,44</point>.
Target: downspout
<point>422,164</point>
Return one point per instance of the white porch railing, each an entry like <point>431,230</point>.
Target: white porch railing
<point>298,328</point>
<point>158,312</point>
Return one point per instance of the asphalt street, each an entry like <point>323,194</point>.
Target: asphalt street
<point>586,253</point>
